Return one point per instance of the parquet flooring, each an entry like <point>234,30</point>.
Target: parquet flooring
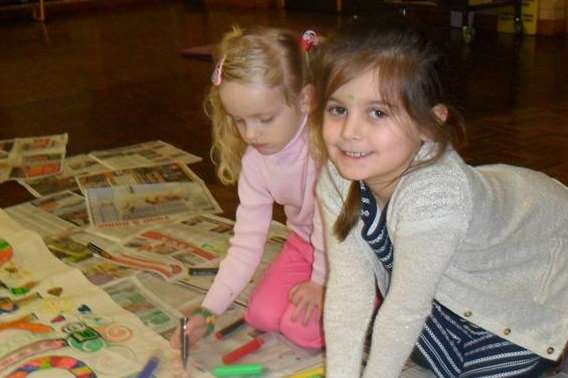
<point>113,76</point>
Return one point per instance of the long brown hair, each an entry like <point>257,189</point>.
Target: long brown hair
<point>412,73</point>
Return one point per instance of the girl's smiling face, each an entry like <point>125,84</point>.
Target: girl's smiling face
<point>366,138</point>
<point>261,114</point>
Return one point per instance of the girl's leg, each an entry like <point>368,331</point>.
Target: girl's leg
<point>494,356</point>
<point>452,347</point>
<point>307,336</point>
<point>311,334</point>
<point>269,301</point>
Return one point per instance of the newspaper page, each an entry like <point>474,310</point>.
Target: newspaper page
<point>6,146</point>
<point>101,271</point>
<point>166,268</point>
<point>202,241</point>
<point>118,234</point>
<point>279,356</point>
<point>143,154</point>
<point>106,262</point>
<point>72,248</point>
<point>199,241</point>
<point>131,295</point>
<point>52,215</point>
<point>25,158</point>
<point>172,294</point>
<point>61,324</point>
<point>133,205</point>
<point>65,181</point>
<point>156,174</point>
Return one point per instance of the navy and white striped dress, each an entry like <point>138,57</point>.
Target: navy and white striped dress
<point>451,346</point>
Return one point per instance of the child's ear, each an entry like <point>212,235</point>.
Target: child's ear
<point>306,97</point>
<point>441,112</point>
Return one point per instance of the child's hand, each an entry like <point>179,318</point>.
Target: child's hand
<point>196,329</point>
<point>177,370</point>
<point>307,296</point>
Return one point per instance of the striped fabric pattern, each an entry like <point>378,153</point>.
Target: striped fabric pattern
<point>452,346</point>
<point>374,228</point>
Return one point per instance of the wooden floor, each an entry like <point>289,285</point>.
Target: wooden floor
<point>114,76</point>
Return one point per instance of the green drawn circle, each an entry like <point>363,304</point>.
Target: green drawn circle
<point>87,346</point>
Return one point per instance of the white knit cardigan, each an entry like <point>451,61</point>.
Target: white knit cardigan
<point>490,243</point>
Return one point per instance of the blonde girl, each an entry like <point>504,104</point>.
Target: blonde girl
<point>259,103</point>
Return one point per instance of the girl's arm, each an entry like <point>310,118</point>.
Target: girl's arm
<point>319,266</point>
<point>429,224</point>
<point>250,232</point>
<point>350,292</point>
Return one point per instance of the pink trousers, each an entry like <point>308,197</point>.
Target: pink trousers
<point>269,308</point>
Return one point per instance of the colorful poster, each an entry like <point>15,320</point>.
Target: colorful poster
<point>55,321</point>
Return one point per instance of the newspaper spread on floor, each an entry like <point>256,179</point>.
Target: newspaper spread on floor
<point>27,158</point>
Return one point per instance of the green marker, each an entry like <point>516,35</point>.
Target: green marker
<point>238,370</point>
<point>19,290</point>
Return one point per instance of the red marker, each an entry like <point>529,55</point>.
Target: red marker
<point>240,352</point>
<point>221,334</point>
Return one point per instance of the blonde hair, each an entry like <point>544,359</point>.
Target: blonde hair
<point>412,78</point>
<point>267,56</point>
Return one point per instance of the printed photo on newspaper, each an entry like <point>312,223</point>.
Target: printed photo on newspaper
<point>27,158</point>
<point>73,166</point>
<point>52,215</point>
<point>131,205</point>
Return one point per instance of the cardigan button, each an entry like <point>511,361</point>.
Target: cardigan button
<point>467,314</point>
<point>506,331</point>
<point>550,350</point>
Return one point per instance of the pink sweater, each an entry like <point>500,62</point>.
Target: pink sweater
<point>287,178</point>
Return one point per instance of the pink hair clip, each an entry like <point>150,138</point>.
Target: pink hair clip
<point>309,39</point>
<point>217,75</point>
